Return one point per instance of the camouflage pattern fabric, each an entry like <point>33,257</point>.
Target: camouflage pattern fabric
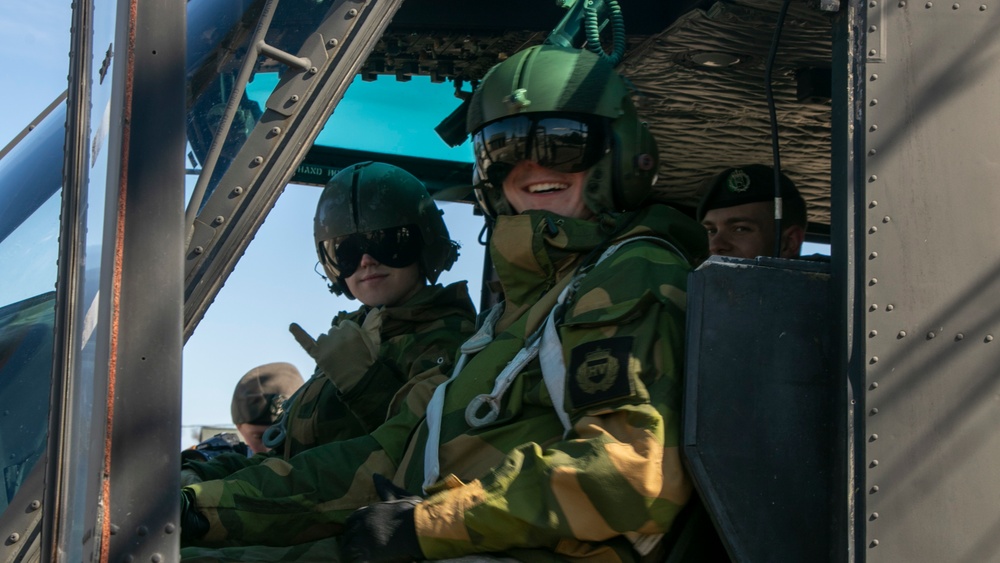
<point>418,336</point>
<point>517,487</point>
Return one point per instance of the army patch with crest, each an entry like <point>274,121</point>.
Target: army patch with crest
<point>598,371</point>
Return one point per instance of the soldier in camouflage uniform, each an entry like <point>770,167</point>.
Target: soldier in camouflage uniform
<point>557,436</point>
<point>259,400</point>
<point>367,361</point>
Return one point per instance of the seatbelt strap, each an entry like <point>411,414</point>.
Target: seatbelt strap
<point>435,407</point>
<point>550,355</point>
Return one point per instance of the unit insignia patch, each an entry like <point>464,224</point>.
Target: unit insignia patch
<point>598,371</point>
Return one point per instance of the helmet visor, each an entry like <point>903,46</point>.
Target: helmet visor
<point>558,141</point>
<point>396,247</point>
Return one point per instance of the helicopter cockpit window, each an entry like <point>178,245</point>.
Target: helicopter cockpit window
<point>220,38</point>
<point>27,310</point>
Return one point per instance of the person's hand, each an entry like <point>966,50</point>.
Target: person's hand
<point>194,525</point>
<point>346,352</point>
<point>384,531</point>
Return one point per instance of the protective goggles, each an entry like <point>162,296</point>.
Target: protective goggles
<point>558,141</point>
<point>396,247</point>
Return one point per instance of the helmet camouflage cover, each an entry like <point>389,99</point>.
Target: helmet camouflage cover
<point>549,78</point>
<point>369,196</point>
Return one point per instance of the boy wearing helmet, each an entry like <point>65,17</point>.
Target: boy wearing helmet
<point>556,438</point>
<point>380,238</point>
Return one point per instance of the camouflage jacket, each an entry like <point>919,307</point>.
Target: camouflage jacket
<point>518,485</point>
<point>418,336</point>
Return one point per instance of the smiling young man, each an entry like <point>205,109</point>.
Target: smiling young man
<point>738,213</point>
<point>557,435</point>
<point>383,256</point>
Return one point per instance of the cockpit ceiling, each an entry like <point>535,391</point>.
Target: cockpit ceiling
<point>705,118</point>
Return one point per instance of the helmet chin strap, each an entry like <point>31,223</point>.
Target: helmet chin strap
<point>329,285</point>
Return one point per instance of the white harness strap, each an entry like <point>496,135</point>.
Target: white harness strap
<point>492,399</point>
<point>551,355</point>
<point>543,343</point>
<point>435,407</point>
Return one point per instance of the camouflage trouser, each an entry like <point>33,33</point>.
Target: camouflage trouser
<point>325,550</point>
<point>321,551</point>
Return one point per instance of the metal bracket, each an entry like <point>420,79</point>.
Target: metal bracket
<point>876,32</point>
<point>295,86</point>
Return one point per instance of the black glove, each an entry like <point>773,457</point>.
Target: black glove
<point>384,531</point>
<point>194,525</point>
<point>215,446</point>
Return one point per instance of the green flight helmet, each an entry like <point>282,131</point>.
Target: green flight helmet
<point>369,196</point>
<point>564,80</point>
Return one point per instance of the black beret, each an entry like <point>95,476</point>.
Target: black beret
<point>750,183</point>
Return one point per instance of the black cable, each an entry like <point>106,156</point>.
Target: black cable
<point>774,125</point>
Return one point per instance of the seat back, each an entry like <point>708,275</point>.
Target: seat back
<point>759,422</point>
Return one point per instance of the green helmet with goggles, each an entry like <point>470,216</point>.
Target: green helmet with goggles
<point>381,210</point>
<point>567,110</point>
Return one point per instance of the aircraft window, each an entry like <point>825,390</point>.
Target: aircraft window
<point>376,116</point>
<point>27,310</point>
<point>219,36</point>
<point>379,116</point>
<point>809,248</point>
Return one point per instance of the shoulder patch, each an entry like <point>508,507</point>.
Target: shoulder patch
<point>598,371</point>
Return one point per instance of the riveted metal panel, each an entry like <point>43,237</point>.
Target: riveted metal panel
<point>142,520</point>
<point>930,444</point>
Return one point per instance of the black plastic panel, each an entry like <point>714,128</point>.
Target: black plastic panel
<point>759,417</point>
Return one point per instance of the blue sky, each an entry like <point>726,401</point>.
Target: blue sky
<point>274,283</point>
<point>34,43</point>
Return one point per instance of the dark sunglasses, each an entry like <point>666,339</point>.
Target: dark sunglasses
<point>396,247</point>
<point>557,141</point>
